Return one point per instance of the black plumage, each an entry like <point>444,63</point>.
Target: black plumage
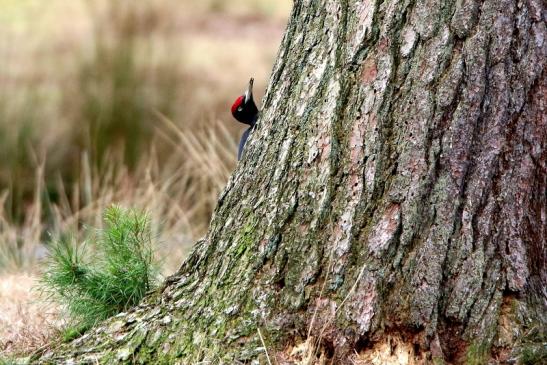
<point>245,111</point>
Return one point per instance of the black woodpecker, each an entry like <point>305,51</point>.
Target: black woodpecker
<point>245,111</point>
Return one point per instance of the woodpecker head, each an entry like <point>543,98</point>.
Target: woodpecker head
<point>244,108</point>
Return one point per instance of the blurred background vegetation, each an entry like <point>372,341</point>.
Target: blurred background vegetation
<point>122,102</point>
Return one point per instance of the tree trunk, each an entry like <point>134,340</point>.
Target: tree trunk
<point>391,202</point>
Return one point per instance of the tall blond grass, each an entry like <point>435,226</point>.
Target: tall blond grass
<point>179,193</point>
<point>91,92</point>
<point>89,76</point>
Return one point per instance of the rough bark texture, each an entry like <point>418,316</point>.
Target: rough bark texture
<point>395,186</point>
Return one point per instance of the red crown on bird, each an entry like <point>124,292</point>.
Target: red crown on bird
<point>244,108</point>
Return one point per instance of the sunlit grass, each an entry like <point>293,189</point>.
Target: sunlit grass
<point>179,192</point>
<point>26,323</point>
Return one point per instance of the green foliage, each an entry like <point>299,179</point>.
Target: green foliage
<point>116,276</point>
<point>71,332</point>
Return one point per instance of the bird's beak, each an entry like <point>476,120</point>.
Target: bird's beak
<point>249,92</point>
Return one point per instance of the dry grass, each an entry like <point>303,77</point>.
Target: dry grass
<point>179,193</point>
<point>126,104</point>
<point>25,322</point>
<point>92,79</point>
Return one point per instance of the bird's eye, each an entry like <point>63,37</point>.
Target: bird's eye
<point>240,109</point>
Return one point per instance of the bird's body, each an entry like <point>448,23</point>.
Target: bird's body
<point>245,111</point>
<point>243,140</point>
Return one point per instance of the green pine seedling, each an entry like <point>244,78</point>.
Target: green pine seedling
<point>115,277</point>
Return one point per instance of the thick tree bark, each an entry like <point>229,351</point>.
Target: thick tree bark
<point>394,188</point>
